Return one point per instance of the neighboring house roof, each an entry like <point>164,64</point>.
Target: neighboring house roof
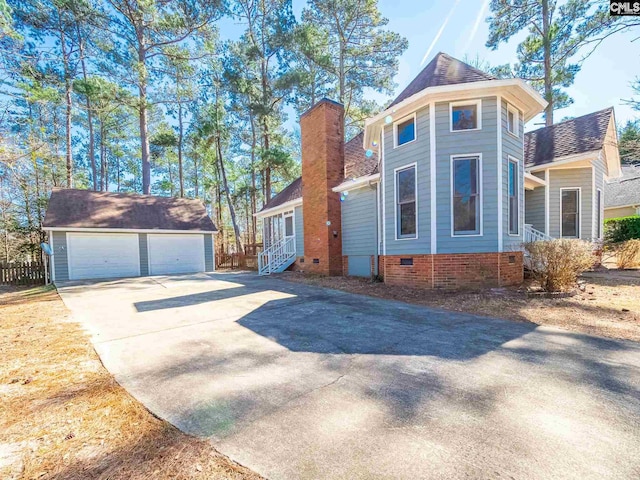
<point>571,137</point>
<point>625,190</point>
<point>442,70</point>
<point>356,163</point>
<point>292,192</point>
<point>72,208</point>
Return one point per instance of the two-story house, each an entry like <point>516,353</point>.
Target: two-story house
<point>431,193</point>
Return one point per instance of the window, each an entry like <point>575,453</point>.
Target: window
<point>288,224</point>
<point>405,131</point>
<point>512,120</point>
<point>599,213</point>
<point>466,195</point>
<point>465,116</point>
<point>570,209</point>
<point>514,196</point>
<point>406,202</point>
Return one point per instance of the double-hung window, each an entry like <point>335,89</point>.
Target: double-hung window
<point>466,201</point>
<point>512,121</point>
<point>514,197</point>
<point>570,210</point>
<point>406,211</point>
<point>599,213</point>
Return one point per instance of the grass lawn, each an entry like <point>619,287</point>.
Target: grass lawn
<point>609,305</point>
<point>62,415</point>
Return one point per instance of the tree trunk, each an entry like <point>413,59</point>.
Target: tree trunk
<point>195,174</point>
<point>92,146</point>
<point>232,211</point>
<point>67,97</point>
<point>546,45</point>
<point>103,160</point>
<point>180,137</point>
<point>143,112</point>
<point>254,203</point>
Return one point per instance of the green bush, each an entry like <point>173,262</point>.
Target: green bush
<point>617,230</point>
<point>556,264</point>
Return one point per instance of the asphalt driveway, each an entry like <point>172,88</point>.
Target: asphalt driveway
<point>298,382</point>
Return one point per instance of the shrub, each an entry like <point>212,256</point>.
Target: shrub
<point>556,264</point>
<point>617,230</point>
<point>628,254</point>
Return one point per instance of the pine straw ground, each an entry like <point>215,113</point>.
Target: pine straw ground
<point>609,305</point>
<point>62,415</point>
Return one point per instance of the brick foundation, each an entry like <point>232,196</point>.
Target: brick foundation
<point>451,271</point>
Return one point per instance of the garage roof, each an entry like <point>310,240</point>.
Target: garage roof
<point>72,208</point>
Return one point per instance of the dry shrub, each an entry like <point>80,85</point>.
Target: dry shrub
<point>556,264</point>
<point>628,254</point>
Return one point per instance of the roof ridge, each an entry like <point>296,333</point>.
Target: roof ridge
<point>569,120</point>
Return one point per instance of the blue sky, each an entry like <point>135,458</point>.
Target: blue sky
<point>603,81</point>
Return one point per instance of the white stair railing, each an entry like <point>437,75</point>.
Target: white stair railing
<point>277,255</point>
<point>533,235</point>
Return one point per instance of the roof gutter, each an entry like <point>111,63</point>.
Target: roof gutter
<point>123,230</point>
<point>578,157</point>
<point>357,183</point>
<point>278,208</point>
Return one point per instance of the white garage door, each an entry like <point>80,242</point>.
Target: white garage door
<point>103,255</point>
<point>177,253</point>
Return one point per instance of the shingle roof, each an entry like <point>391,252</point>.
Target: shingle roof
<point>356,163</point>
<point>88,209</point>
<point>443,70</point>
<point>291,192</point>
<point>578,135</point>
<point>625,190</point>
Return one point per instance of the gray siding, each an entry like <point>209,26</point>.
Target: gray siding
<point>359,265</point>
<point>144,254</point>
<point>534,206</point>
<point>512,146</point>
<point>60,259</point>
<point>208,253</point>
<point>482,141</point>
<point>299,230</point>
<point>571,178</point>
<point>359,223</point>
<point>416,152</point>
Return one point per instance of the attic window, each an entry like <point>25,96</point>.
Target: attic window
<point>466,115</point>
<point>405,131</point>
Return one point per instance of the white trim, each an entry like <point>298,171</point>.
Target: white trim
<point>532,178</point>
<point>516,118</point>
<point>631,205</point>
<point>378,218</point>
<point>432,180</point>
<point>415,130</point>
<point>546,203</point>
<point>500,162</point>
<point>579,189</point>
<point>149,257</point>
<point>480,193</point>
<point>590,155</point>
<point>52,263</point>
<point>126,230</point>
<point>593,198</point>
<point>395,198</point>
<point>384,194</point>
<point>274,210</point>
<point>510,160</point>
<point>357,183</point>
<point>600,216</point>
<point>477,103</point>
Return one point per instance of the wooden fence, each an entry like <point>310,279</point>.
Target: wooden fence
<point>22,273</point>
<point>235,261</point>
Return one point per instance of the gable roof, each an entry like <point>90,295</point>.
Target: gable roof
<point>356,163</point>
<point>291,192</point>
<point>625,190</point>
<point>578,135</point>
<point>73,208</point>
<point>442,70</point>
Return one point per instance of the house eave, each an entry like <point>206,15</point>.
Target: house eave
<point>528,100</point>
<point>123,230</point>
<point>357,183</point>
<point>531,181</point>
<point>562,162</point>
<point>280,208</point>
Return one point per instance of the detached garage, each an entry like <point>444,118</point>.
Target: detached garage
<point>112,235</point>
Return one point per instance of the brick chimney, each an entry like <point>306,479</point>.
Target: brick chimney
<point>322,131</point>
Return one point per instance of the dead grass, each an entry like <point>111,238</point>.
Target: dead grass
<point>62,416</point>
<point>609,305</point>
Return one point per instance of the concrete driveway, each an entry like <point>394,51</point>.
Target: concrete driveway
<point>298,382</point>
